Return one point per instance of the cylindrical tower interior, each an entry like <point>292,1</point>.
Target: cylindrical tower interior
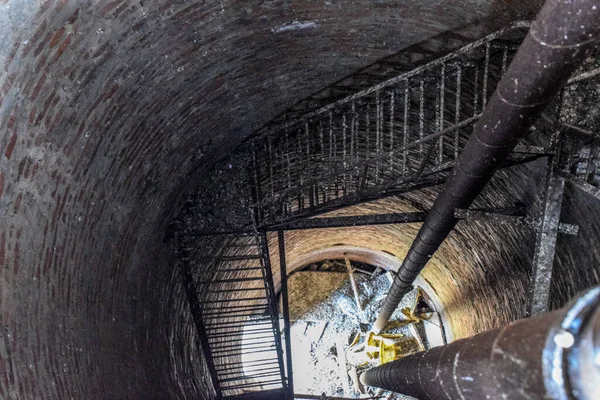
<point>118,118</point>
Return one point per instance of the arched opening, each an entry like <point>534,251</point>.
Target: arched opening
<point>329,328</point>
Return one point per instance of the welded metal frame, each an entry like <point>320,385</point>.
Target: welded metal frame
<point>515,216</point>
<point>381,71</point>
<point>286,313</point>
<point>221,318</point>
<point>565,164</point>
<point>430,146</point>
<point>413,72</point>
<point>304,220</point>
<point>546,58</point>
<point>547,233</point>
<point>420,180</point>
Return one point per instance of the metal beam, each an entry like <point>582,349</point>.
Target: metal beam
<point>350,221</point>
<point>508,219</point>
<point>545,246</point>
<point>367,195</point>
<point>492,215</point>
<point>286,314</point>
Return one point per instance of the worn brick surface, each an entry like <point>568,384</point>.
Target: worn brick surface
<point>109,110</point>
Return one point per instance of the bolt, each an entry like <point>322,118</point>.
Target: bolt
<point>564,339</point>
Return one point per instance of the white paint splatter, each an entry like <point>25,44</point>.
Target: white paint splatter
<point>295,26</point>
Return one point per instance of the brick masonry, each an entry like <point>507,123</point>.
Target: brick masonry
<point>109,112</point>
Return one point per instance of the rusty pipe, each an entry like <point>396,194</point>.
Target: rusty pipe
<point>551,356</point>
<point>553,48</point>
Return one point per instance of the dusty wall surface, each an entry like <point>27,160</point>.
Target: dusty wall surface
<point>479,278</point>
<point>109,111</point>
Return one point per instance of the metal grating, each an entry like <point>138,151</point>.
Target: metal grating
<point>395,136</point>
<point>230,288</point>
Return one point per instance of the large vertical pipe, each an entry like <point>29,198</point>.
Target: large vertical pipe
<point>553,48</point>
<point>551,356</point>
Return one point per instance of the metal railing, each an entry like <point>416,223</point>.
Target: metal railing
<point>579,161</point>
<point>399,135</point>
<point>394,136</point>
<point>231,292</point>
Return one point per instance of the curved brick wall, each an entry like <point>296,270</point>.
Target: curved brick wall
<point>109,112</point>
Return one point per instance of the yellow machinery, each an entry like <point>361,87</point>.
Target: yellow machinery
<point>378,349</point>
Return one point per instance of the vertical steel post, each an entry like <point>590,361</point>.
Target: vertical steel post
<point>546,235</point>
<point>553,48</point>
<point>286,314</point>
<point>263,243</point>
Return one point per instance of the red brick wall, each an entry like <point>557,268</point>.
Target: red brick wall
<point>108,111</point>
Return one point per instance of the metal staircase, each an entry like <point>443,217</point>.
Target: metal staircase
<point>230,286</point>
<point>397,136</point>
